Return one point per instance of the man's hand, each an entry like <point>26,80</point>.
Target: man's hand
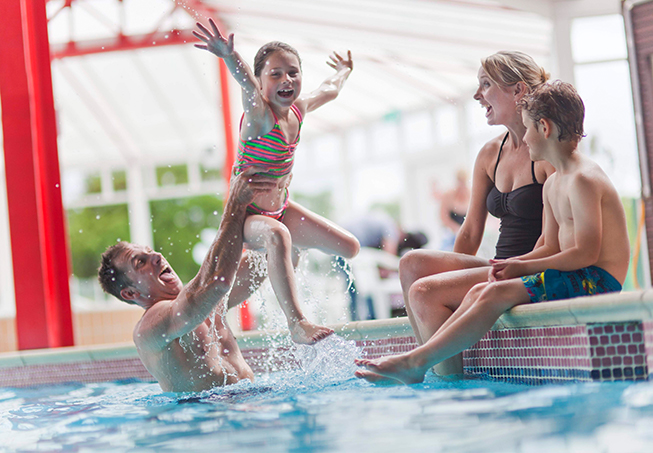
<point>338,63</point>
<point>506,269</point>
<point>250,183</point>
<point>214,42</point>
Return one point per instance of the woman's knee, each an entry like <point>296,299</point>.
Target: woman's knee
<point>417,264</point>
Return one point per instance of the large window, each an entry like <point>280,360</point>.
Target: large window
<point>603,80</point>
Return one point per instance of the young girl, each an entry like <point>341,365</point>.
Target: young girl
<point>269,133</point>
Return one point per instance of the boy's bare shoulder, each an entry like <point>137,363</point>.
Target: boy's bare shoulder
<point>590,176</point>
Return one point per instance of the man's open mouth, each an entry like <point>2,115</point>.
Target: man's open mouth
<point>166,274</point>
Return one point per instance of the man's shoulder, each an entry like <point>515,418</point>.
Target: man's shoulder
<point>155,318</point>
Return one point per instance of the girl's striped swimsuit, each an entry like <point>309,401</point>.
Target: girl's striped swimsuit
<point>271,152</point>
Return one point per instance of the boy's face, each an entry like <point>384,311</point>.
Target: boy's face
<point>151,275</point>
<point>281,78</point>
<point>534,137</point>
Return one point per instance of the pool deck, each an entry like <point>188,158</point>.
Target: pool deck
<point>598,338</point>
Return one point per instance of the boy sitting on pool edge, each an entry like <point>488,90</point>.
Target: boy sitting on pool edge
<point>585,247</point>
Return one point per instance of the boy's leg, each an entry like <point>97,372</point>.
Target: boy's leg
<point>310,230</point>
<point>482,306</point>
<point>268,233</point>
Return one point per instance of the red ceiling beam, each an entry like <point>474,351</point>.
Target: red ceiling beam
<point>121,43</point>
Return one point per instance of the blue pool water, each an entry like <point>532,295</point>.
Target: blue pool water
<point>322,408</point>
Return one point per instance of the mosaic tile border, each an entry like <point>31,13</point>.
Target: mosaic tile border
<point>588,339</point>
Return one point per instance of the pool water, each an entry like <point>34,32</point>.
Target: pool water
<point>322,408</point>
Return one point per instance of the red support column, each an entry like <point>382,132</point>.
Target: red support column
<point>246,320</point>
<point>36,219</point>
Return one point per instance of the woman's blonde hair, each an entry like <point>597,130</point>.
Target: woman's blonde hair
<point>506,68</point>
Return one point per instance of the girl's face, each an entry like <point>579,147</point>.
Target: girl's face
<point>500,103</point>
<point>281,78</point>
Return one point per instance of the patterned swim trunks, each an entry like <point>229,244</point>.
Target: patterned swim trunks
<point>555,285</point>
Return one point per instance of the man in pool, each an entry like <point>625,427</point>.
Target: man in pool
<point>585,247</point>
<point>175,338</point>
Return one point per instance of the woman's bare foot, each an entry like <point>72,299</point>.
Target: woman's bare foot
<point>305,332</point>
<point>376,378</point>
<point>399,367</point>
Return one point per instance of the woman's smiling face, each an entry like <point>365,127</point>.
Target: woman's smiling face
<point>500,104</point>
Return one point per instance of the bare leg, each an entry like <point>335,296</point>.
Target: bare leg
<point>419,264</point>
<point>310,230</point>
<point>264,232</point>
<point>477,314</point>
<point>246,283</point>
<point>435,298</point>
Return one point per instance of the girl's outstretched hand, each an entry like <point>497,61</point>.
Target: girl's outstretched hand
<point>214,41</point>
<point>338,63</point>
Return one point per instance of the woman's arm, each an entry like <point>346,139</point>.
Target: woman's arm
<point>470,234</point>
<point>330,88</point>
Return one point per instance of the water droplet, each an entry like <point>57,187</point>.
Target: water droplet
<point>81,231</point>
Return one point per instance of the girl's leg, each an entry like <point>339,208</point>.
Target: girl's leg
<point>246,283</point>
<point>268,233</point>
<point>310,230</point>
<point>479,311</point>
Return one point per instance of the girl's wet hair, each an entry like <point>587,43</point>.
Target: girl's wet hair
<point>267,50</point>
<point>560,103</point>
<point>506,68</point>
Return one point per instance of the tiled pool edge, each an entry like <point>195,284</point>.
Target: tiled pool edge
<point>598,338</point>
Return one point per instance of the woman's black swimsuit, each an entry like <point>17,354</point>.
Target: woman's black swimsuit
<point>520,212</point>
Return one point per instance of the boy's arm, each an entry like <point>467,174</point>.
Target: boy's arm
<point>223,48</point>
<point>167,320</point>
<point>330,88</point>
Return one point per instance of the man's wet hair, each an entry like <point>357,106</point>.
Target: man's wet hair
<point>560,103</point>
<point>111,278</point>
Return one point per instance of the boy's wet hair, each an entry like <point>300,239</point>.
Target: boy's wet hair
<point>507,68</point>
<point>560,103</point>
<point>268,49</point>
<point>111,278</point>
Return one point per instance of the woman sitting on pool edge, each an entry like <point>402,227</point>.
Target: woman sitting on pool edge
<point>505,183</point>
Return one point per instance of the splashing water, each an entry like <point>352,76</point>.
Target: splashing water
<point>331,359</point>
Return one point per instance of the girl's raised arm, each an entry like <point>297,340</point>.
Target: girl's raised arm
<point>331,86</point>
<point>223,48</point>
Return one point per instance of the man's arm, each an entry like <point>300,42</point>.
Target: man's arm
<point>167,320</point>
<point>330,88</point>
